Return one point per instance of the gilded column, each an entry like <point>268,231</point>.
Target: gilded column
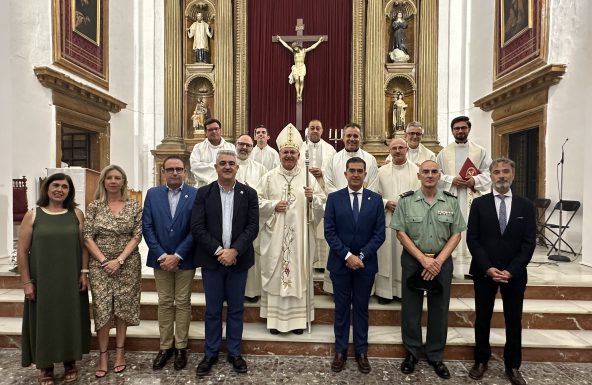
<point>427,68</point>
<point>357,64</point>
<point>224,68</point>
<point>241,69</point>
<point>173,81</point>
<point>374,116</point>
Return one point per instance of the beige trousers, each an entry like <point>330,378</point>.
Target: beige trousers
<point>174,306</point>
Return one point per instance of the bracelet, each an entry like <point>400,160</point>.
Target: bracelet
<point>85,271</point>
<point>28,282</point>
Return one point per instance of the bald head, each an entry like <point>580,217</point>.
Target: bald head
<point>244,146</point>
<point>398,150</point>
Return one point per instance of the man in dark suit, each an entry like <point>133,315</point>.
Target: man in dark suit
<point>224,224</point>
<point>166,220</point>
<point>354,230</point>
<point>501,237</point>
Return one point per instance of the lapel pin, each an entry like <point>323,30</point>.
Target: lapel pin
<point>241,191</point>
<point>186,196</point>
<point>368,198</point>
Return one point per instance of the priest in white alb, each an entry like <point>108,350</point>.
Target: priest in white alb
<point>203,156</point>
<point>250,173</point>
<point>263,152</point>
<point>287,240</point>
<point>451,160</point>
<point>394,179</point>
<point>335,173</point>
<point>417,153</point>
<point>320,154</point>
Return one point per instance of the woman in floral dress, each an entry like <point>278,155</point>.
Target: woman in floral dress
<point>112,232</point>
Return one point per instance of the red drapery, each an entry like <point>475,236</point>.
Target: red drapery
<point>272,101</point>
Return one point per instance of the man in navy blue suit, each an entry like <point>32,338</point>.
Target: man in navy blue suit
<point>501,238</point>
<point>224,224</point>
<point>354,230</point>
<point>166,222</point>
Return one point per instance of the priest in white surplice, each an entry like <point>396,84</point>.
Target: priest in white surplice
<point>417,153</point>
<point>286,273</point>
<point>320,155</point>
<point>451,160</point>
<point>203,156</point>
<point>335,173</point>
<point>394,179</point>
<point>264,153</point>
<point>250,173</point>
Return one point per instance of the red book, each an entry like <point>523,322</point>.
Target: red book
<point>468,170</point>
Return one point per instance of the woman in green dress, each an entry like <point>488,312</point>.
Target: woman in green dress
<point>53,263</point>
<point>112,232</point>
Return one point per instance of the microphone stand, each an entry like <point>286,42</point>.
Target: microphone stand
<point>559,257</point>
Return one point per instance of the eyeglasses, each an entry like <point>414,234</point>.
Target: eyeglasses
<point>213,129</point>
<point>171,170</point>
<point>241,144</point>
<point>414,134</point>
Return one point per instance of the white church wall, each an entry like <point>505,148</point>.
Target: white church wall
<point>569,43</point>
<point>464,67</point>
<point>6,151</point>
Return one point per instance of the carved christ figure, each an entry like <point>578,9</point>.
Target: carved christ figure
<point>299,68</point>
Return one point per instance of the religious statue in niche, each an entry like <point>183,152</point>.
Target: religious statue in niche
<point>200,114</point>
<point>399,52</point>
<point>299,68</point>
<point>201,32</point>
<point>399,112</point>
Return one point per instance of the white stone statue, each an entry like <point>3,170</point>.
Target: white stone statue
<point>399,112</point>
<point>200,114</point>
<point>201,32</point>
<point>299,68</point>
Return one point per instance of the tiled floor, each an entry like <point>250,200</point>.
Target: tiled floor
<point>293,370</point>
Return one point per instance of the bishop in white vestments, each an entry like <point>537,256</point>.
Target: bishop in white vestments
<point>287,241</point>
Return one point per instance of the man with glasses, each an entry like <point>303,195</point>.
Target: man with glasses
<point>453,159</point>
<point>250,173</point>
<point>203,156</point>
<point>166,220</point>
<point>417,153</point>
<point>428,223</point>
<point>263,153</point>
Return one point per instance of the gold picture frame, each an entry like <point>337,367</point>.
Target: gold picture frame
<point>81,38</point>
<point>516,17</point>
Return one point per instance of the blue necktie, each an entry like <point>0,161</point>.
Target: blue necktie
<point>356,206</point>
<point>502,213</point>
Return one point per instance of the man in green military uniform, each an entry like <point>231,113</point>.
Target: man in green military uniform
<point>428,224</point>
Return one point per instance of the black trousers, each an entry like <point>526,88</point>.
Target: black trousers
<point>512,297</point>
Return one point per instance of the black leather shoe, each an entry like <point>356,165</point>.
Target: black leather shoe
<point>363,364</point>
<point>298,332</point>
<point>478,370</point>
<point>238,364</point>
<point>274,331</point>
<point>205,365</point>
<point>384,301</point>
<point>162,358</point>
<point>408,364</point>
<point>180,359</point>
<point>338,362</point>
<point>440,369</point>
<point>252,299</point>
<point>515,377</point>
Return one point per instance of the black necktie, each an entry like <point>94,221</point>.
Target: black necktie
<point>356,206</point>
<point>502,213</point>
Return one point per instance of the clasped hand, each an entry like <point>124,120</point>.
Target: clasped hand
<point>227,257</point>
<point>499,275</point>
<point>169,262</point>
<point>354,262</point>
<point>431,268</point>
<point>111,267</point>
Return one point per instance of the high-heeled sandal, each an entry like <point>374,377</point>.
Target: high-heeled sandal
<point>100,373</point>
<point>119,368</point>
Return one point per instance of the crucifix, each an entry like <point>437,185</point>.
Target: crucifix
<point>299,68</point>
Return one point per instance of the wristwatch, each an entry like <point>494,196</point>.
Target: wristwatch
<point>120,261</point>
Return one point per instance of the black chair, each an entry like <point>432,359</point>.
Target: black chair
<point>570,208</point>
<point>541,205</point>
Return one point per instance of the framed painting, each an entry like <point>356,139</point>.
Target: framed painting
<point>520,38</point>
<point>81,38</point>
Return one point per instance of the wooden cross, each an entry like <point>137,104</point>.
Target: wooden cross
<point>299,38</point>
